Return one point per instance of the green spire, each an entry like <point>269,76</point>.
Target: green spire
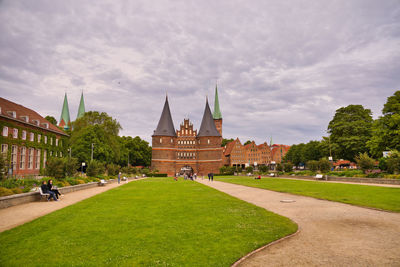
<point>217,112</point>
<point>64,120</point>
<point>81,109</point>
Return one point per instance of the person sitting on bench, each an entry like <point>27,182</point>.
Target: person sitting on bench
<point>52,189</point>
<point>45,190</point>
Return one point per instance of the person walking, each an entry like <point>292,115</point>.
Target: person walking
<point>212,177</point>
<point>209,176</point>
<point>119,177</point>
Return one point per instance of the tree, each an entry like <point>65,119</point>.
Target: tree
<point>350,129</point>
<point>296,154</point>
<point>3,169</point>
<point>51,119</point>
<point>313,165</point>
<point>55,167</point>
<point>393,162</point>
<point>279,167</point>
<point>324,165</point>
<point>137,150</point>
<point>226,141</point>
<point>247,142</point>
<point>385,130</point>
<point>263,168</point>
<point>100,130</point>
<point>364,162</point>
<point>249,169</point>
<point>288,167</point>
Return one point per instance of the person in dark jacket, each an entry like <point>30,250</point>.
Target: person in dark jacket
<point>45,190</point>
<point>51,188</point>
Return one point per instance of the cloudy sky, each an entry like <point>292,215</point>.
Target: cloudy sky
<point>283,67</point>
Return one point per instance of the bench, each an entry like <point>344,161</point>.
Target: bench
<point>47,195</point>
<point>102,182</point>
<point>319,177</point>
<point>272,174</point>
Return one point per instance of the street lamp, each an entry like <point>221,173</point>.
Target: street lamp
<point>91,157</point>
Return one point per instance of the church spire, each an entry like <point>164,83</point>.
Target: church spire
<point>165,126</point>
<point>81,109</point>
<point>207,127</point>
<point>217,112</point>
<point>64,120</point>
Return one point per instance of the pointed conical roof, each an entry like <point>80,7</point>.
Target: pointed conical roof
<point>207,127</point>
<point>81,109</point>
<point>64,120</point>
<point>165,126</point>
<point>217,112</point>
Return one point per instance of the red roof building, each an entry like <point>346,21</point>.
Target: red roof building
<point>27,139</point>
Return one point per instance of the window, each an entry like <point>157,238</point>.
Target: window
<point>172,140</point>
<point>56,153</point>
<point>37,162</point>
<point>23,135</point>
<point>14,157</point>
<point>45,139</point>
<point>56,142</point>
<point>4,149</point>
<point>5,131</point>
<point>31,137</point>
<point>51,153</point>
<point>15,133</point>
<point>208,141</point>
<point>60,154</point>
<point>44,157</point>
<point>22,158</point>
<point>160,140</point>
<point>38,138</point>
<point>51,141</point>
<point>30,158</point>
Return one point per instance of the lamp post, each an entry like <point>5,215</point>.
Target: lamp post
<point>91,157</point>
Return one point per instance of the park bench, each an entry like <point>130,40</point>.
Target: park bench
<point>272,174</point>
<point>319,177</point>
<point>102,182</point>
<point>47,195</point>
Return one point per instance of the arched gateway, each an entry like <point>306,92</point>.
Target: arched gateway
<point>186,149</point>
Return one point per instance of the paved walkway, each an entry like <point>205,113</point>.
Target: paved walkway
<point>331,233</point>
<point>20,214</point>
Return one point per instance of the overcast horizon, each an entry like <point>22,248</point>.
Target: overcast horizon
<point>283,68</point>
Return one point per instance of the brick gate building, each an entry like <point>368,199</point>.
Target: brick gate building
<point>186,149</point>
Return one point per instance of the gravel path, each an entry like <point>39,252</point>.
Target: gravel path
<point>331,233</point>
<point>20,214</point>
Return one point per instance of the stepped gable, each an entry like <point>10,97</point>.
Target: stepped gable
<point>207,127</point>
<point>165,125</point>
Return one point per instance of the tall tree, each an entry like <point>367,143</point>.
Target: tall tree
<point>100,130</point>
<point>386,129</point>
<point>350,129</point>
<point>51,119</point>
<point>226,141</point>
<point>136,150</point>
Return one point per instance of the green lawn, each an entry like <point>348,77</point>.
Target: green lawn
<point>385,198</point>
<point>151,222</point>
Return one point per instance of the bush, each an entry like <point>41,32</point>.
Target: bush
<point>383,164</point>
<point>288,167</point>
<point>393,162</point>
<point>373,173</point>
<point>17,190</point>
<point>159,175</point>
<point>263,168</point>
<point>95,168</point>
<point>5,192</point>
<point>3,169</point>
<point>113,169</point>
<point>312,165</point>
<point>55,167</point>
<point>279,167</point>
<point>227,170</point>
<point>249,169</point>
<point>71,166</point>
<point>324,165</point>
<point>364,162</point>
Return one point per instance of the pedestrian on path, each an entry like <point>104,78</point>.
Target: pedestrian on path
<point>119,177</point>
<point>209,176</point>
<point>212,176</point>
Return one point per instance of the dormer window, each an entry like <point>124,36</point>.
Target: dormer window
<point>36,122</point>
<point>25,118</point>
<point>45,125</point>
<point>12,114</point>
